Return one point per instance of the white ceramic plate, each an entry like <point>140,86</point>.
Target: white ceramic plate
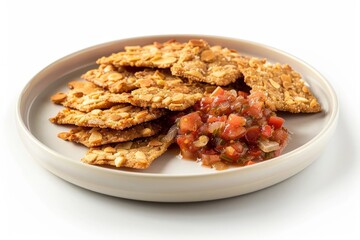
<point>170,178</point>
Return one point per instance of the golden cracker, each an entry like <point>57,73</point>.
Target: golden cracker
<point>117,117</point>
<point>161,78</point>
<point>158,55</point>
<point>92,137</point>
<point>137,154</point>
<point>284,87</point>
<point>83,96</point>
<point>114,79</point>
<point>125,79</point>
<point>174,99</point>
<point>200,62</point>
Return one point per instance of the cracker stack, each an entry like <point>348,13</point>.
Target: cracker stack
<point>121,111</point>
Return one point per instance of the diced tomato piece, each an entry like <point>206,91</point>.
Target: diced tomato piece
<point>252,134</point>
<point>218,100</point>
<point>243,94</point>
<point>203,129</point>
<point>215,128</point>
<point>238,147</point>
<point>267,112</point>
<point>217,92</point>
<point>185,153</point>
<point>207,100</point>
<point>254,151</point>
<point>190,122</point>
<point>276,122</point>
<point>229,154</point>
<point>204,104</point>
<point>255,110</point>
<point>232,132</point>
<point>185,142</point>
<point>236,121</point>
<point>212,119</point>
<point>257,97</point>
<point>230,151</point>
<point>280,136</point>
<point>266,131</point>
<point>210,159</point>
<point>208,151</point>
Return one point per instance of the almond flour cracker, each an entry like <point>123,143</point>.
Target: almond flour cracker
<point>83,96</point>
<point>159,98</point>
<point>116,80</point>
<point>92,137</point>
<point>156,55</point>
<point>138,154</point>
<point>161,78</point>
<point>194,60</point>
<point>284,87</point>
<point>200,62</point>
<point>125,79</point>
<point>117,117</point>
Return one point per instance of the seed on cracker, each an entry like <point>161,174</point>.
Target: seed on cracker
<point>117,117</point>
<point>83,96</point>
<point>159,55</point>
<point>200,62</point>
<point>284,87</point>
<point>137,154</point>
<point>92,137</point>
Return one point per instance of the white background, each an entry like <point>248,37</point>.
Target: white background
<point>322,201</point>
